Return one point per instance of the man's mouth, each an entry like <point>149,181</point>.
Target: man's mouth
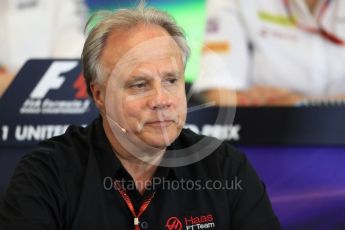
<point>158,123</point>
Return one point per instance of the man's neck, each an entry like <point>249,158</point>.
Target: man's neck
<point>140,170</point>
<point>311,4</point>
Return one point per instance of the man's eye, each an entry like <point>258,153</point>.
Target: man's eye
<point>172,80</point>
<point>140,85</point>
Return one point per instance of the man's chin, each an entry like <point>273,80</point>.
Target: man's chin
<point>158,141</point>
<point>158,144</point>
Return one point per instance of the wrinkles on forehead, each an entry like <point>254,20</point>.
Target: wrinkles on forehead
<point>131,45</point>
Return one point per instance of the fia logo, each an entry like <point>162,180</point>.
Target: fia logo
<point>39,101</point>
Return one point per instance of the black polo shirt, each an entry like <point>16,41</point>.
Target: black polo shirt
<point>67,183</point>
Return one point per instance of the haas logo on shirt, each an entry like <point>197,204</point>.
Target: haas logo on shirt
<point>173,223</point>
<point>191,222</point>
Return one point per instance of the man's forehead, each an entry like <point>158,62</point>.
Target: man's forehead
<point>138,45</point>
<point>138,39</point>
<point>127,71</point>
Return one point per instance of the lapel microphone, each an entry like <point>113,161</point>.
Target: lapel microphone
<point>117,124</point>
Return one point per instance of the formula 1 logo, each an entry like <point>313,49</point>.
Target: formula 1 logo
<point>44,98</point>
<point>53,80</point>
<point>173,223</point>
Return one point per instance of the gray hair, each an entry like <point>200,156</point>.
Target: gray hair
<point>109,21</point>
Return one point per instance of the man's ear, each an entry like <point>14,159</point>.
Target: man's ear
<point>97,91</point>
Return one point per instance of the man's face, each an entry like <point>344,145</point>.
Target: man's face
<point>145,91</point>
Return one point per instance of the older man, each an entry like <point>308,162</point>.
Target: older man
<point>121,171</point>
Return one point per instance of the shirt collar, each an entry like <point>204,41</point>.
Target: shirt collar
<point>109,164</point>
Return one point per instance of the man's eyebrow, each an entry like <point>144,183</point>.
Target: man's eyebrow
<point>171,74</point>
<point>138,78</point>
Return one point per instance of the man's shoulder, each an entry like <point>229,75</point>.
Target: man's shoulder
<point>67,150</point>
<point>75,137</point>
<point>220,147</point>
<point>215,153</point>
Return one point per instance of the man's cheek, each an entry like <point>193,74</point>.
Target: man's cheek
<point>133,115</point>
<point>181,104</point>
<point>133,111</point>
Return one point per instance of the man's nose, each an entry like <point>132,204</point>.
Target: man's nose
<point>161,98</point>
